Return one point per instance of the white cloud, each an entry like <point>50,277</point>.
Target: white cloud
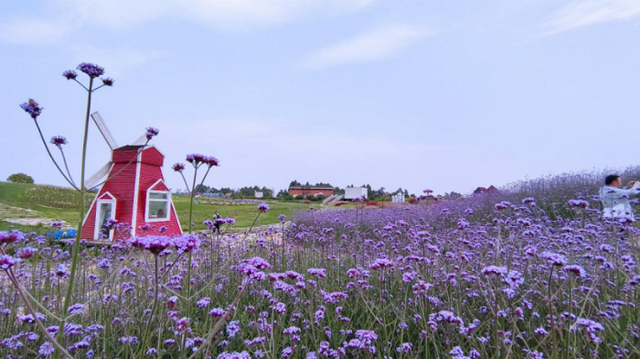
<point>23,30</point>
<point>376,45</point>
<point>590,12</point>
<point>248,13</point>
<point>125,14</point>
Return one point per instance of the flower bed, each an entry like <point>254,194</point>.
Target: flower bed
<point>404,281</point>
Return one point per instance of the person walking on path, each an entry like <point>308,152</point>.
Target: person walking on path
<point>615,199</point>
<point>217,221</point>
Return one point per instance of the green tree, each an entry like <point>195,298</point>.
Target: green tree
<point>267,192</point>
<point>20,178</point>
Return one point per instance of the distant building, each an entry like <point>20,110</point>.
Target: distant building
<point>398,197</point>
<point>351,193</point>
<point>258,194</point>
<point>481,190</point>
<point>310,191</point>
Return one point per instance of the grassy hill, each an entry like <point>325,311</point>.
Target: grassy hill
<point>19,200</point>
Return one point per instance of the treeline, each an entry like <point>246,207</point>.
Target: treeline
<point>371,193</point>
<point>250,191</point>
<point>242,192</point>
<point>381,192</point>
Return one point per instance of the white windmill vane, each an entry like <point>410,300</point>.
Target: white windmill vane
<point>111,142</point>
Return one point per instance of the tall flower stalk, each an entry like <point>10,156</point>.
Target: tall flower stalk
<point>262,208</point>
<point>94,72</point>
<point>197,161</point>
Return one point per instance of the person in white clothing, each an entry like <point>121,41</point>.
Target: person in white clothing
<point>615,199</point>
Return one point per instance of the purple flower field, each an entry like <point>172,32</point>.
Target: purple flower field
<point>505,275</point>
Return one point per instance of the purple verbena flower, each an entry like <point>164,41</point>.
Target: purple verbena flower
<point>26,252</point>
<point>46,349</point>
<point>233,328</point>
<point>186,243</point>
<point>577,270</point>
<point>58,141</point>
<point>152,132</point>
<point>32,108</point>
<point>204,302</point>
<point>108,81</point>
<point>178,167</point>
<point>579,203</point>
<point>77,308</point>
<point>216,312</point>
<point>91,69</point>
<point>494,270</point>
<point>211,161</point>
<point>381,263</point>
<point>234,355</point>
<point>7,261</point>
<point>195,159</point>
<point>317,272</point>
<point>555,259</point>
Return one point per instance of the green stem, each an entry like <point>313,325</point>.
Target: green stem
<point>254,222</point>
<point>66,166</point>
<point>193,193</point>
<point>34,314</point>
<point>568,338</point>
<point>153,309</point>
<point>76,245</point>
<point>553,321</point>
<point>53,159</point>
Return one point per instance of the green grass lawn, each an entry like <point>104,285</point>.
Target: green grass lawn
<point>34,201</point>
<point>244,214</point>
<point>22,196</point>
<point>6,226</point>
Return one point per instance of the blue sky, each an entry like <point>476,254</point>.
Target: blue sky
<point>447,95</point>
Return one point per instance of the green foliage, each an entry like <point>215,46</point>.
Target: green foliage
<point>6,226</point>
<point>243,192</point>
<point>295,183</point>
<point>56,197</point>
<point>284,195</point>
<point>20,178</point>
<point>451,195</point>
<point>15,195</point>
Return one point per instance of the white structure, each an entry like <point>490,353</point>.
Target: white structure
<point>258,194</point>
<point>351,193</point>
<point>398,198</point>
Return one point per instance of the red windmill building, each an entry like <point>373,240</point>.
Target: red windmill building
<point>134,192</point>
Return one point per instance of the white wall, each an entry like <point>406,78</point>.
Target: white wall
<point>355,192</point>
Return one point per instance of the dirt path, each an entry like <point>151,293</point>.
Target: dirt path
<point>25,217</point>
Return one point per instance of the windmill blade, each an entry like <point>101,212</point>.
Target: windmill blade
<point>140,141</point>
<point>99,175</point>
<point>104,130</point>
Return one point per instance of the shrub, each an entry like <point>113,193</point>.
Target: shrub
<point>20,178</point>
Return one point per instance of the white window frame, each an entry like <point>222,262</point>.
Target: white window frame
<point>112,200</point>
<point>147,203</point>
